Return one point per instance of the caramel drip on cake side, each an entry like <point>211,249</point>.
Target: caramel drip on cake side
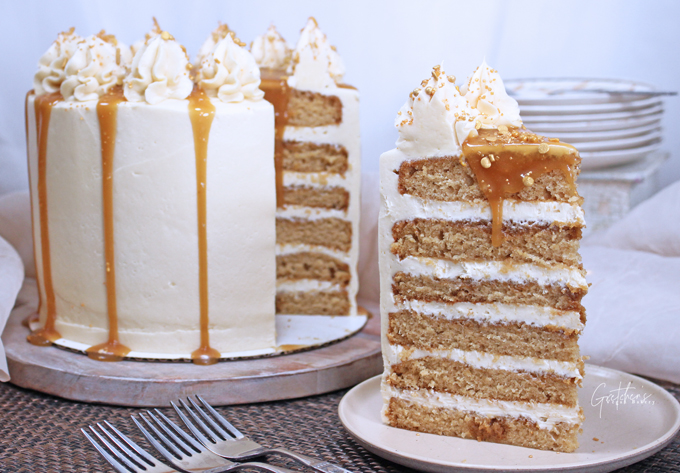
<point>274,84</point>
<point>107,113</point>
<point>201,113</point>
<point>505,162</point>
<point>43,110</point>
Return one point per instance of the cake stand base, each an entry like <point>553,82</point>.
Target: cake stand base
<point>154,384</point>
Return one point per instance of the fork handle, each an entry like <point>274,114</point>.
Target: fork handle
<point>318,465</point>
<point>264,467</point>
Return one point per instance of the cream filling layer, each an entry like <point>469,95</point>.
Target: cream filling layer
<point>409,207</point>
<point>306,285</point>
<point>395,354</point>
<point>309,213</point>
<point>489,270</point>
<point>545,415</point>
<point>317,180</point>
<point>289,249</point>
<point>495,313</point>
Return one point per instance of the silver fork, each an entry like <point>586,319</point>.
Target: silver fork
<point>185,453</point>
<point>223,439</point>
<point>120,452</point>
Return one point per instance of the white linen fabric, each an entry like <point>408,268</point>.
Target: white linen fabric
<point>633,305</point>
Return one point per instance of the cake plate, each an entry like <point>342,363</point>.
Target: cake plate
<point>342,356</point>
<point>627,420</point>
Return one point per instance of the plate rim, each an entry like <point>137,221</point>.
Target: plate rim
<point>630,457</point>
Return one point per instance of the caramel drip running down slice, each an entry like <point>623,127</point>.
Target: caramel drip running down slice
<point>201,113</point>
<point>43,109</point>
<point>274,84</point>
<point>107,113</point>
<point>506,163</point>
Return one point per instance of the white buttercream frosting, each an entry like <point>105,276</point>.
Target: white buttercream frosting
<point>438,116</point>
<point>486,93</point>
<point>95,66</point>
<point>51,66</point>
<point>395,354</point>
<point>436,119</point>
<point>495,313</point>
<point>155,31</point>
<point>309,213</point>
<point>315,65</point>
<point>545,415</point>
<point>159,71</point>
<point>271,50</point>
<point>230,73</point>
<point>304,285</point>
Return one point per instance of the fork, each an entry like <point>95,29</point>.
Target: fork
<point>185,453</point>
<point>137,460</point>
<point>225,440</point>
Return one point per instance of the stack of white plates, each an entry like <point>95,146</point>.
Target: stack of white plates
<point>610,122</point>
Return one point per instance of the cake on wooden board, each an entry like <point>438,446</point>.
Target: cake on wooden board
<point>481,279</point>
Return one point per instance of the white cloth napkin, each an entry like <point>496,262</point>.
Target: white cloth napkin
<point>11,278</point>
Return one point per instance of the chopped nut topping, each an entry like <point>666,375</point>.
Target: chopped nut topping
<point>543,148</point>
<point>502,129</point>
<point>491,138</point>
<point>528,181</point>
<point>429,91</point>
<point>554,140</point>
<point>486,163</point>
<point>478,125</point>
<point>166,36</point>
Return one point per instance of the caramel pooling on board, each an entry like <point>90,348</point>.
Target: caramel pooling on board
<point>505,161</point>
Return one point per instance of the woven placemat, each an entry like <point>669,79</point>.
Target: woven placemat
<point>41,433</point>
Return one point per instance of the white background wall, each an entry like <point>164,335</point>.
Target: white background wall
<point>387,46</point>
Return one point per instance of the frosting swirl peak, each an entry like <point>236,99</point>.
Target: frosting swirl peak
<point>52,64</point>
<point>159,71</point>
<point>271,50</point>
<point>316,65</point>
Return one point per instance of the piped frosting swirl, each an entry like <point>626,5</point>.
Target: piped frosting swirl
<point>271,50</point>
<point>159,71</point>
<point>51,66</point>
<point>315,64</point>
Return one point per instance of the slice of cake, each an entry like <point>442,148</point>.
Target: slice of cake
<point>481,279</point>
<point>153,199</point>
<point>317,173</point>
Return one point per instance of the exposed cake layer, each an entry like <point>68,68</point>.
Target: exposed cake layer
<point>427,332</point>
<point>331,198</point>
<point>433,289</point>
<point>451,179</point>
<point>312,265</point>
<point>333,233</point>
<point>448,416</point>
<point>312,297</point>
<point>313,109</point>
<point>314,157</point>
<point>471,241</point>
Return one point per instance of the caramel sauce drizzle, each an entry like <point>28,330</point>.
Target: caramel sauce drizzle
<point>505,163</point>
<point>107,113</point>
<point>201,113</point>
<point>43,109</point>
<point>274,84</point>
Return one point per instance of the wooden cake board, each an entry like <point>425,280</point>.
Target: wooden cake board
<point>74,376</point>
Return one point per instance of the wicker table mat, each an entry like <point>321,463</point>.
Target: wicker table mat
<point>40,433</point>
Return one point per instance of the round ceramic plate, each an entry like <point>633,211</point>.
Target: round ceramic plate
<point>575,91</point>
<point>622,144</point>
<point>627,419</point>
<point>589,108</point>
<point>596,126</point>
<point>585,136</point>
<point>600,159</point>
<point>591,117</point>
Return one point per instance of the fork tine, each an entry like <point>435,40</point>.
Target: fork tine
<point>197,433</point>
<point>189,442</point>
<point>201,424</point>
<point>161,449</point>
<point>116,453</point>
<point>207,418</point>
<point>219,418</point>
<point>141,454</point>
<point>112,461</point>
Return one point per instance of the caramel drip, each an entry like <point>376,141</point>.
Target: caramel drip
<point>43,109</point>
<point>274,84</point>
<point>107,113</point>
<point>506,163</point>
<point>201,113</point>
